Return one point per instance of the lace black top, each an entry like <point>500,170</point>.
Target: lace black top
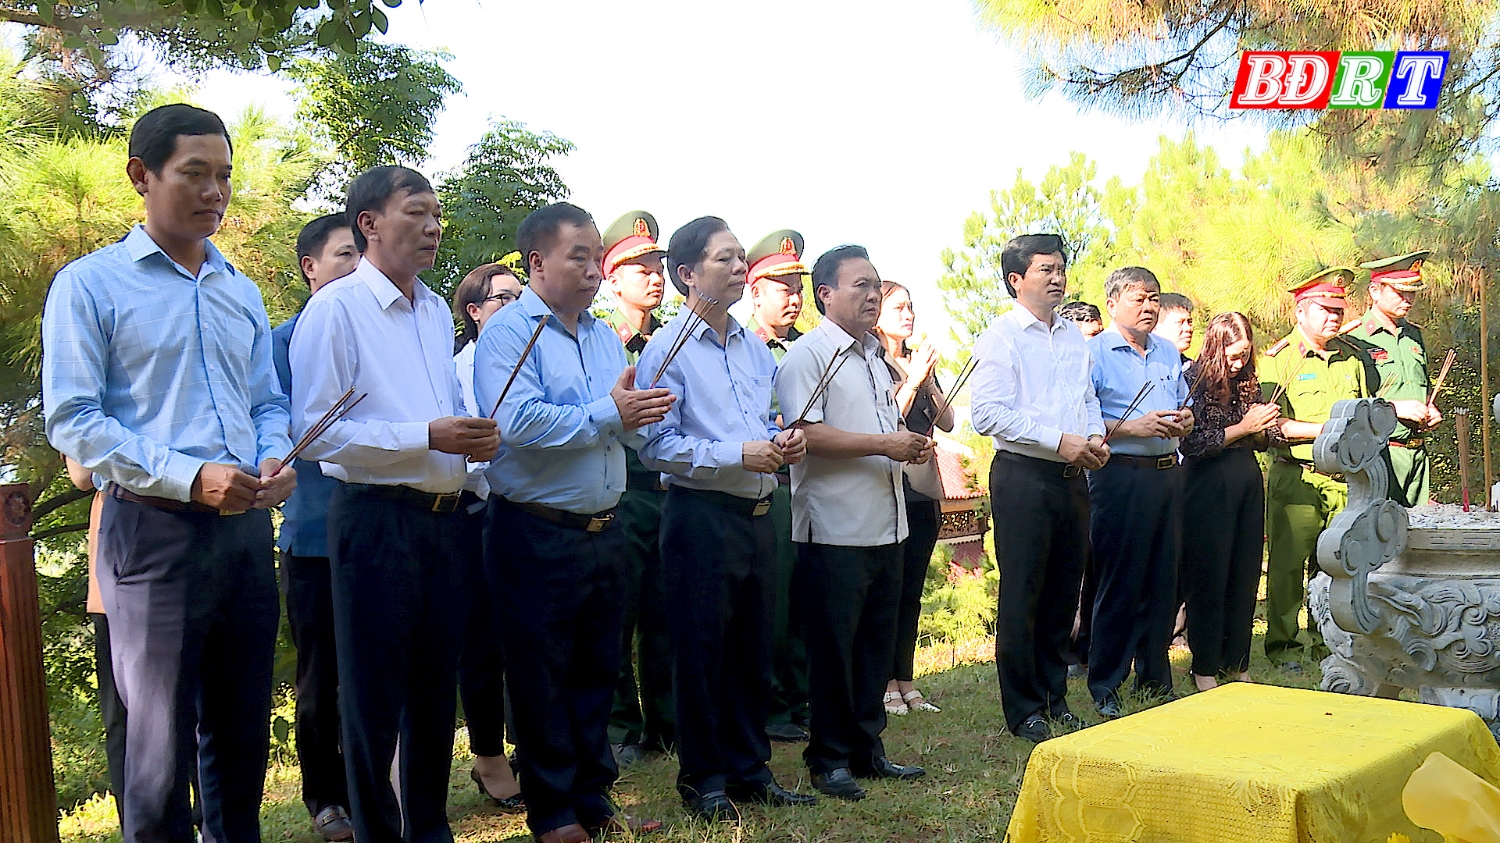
<point>1210,418</point>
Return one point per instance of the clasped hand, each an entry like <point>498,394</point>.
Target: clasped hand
<point>228,489</point>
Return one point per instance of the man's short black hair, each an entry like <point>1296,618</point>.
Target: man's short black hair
<point>538,232</point>
<point>314,236</point>
<point>374,188</point>
<point>689,245</point>
<point>1127,278</point>
<point>153,138</point>
<point>1018,252</point>
<point>1176,301</point>
<point>1080,311</point>
<point>825,272</point>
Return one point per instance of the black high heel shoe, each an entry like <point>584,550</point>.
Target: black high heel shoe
<point>510,804</point>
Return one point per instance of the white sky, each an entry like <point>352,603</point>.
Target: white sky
<point>882,123</point>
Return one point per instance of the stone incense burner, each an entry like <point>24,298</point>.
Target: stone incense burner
<point>1405,599</point>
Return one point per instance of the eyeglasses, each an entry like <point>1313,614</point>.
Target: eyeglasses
<point>503,298</point>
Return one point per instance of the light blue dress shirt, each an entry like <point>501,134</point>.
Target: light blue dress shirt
<point>1118,373</point>
<point>150,371</point>
<point>562,444</point>
<point>304,516</point>
<point>723,401</point>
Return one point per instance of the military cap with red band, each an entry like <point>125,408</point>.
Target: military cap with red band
<point>777,255</point>
<point>1403,272</point>
<point>632,236</point>
<point>1327,287</point>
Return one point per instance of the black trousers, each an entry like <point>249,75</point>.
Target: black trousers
<point>642,711</point>
<point>720,564</point>
<point>1041,541</point>
<point>1136,528</point>
<point>481,665</point>
<point>556,591</point>
<point>400,580</point>
<point>111,711</point>
<point>307,585</point>
<point>1221,558</point>
<point>922,519</point>
<point>848,596</point>
<point>193,611</point>
<point>788,638</point>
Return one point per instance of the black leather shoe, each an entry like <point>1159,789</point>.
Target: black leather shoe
<point>885,768</point>
<point>771,795</point>
<point>333,825</point>
<point>786,732</point>
<point>1035,729</point>
<point>713,806</point>
<point>839,784</point>
<point>1110,709</point>
<point>1067,721</point>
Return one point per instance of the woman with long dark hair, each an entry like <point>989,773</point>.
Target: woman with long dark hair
<point>918,398</point>
<point>1221,542</point>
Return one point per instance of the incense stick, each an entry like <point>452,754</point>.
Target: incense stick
<point>1462,415</point>
<point>525,352</point>
<point>1443,374</point>
<point>1136,402</point>
<point>1281,387</point>
<point>824,382</point>
<point>695,316</point>
<point>963,378</point>
<point>328,419</point>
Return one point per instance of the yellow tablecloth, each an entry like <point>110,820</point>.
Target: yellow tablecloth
<point>1244,762</point>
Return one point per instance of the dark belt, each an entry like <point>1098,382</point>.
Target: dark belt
<point>1050,467</point>
<point>1307,466</point>
<point>439,502</point>
<point>1161,463</point>
<point>1408,443</point>
<point>169,505</point>
<point>754,507</point>
<point>573,521</point>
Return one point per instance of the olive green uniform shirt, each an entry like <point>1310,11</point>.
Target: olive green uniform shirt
<point>1314,383</point>
<point>637,475</point>
<point>1400,360</point>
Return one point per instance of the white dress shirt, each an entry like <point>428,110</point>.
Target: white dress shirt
<point>1032,384</point>
<point>463,364</point>
<point>360,331</point>
<point>857,502</point>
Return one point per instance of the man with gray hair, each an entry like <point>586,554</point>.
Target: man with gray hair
<point>1136,521</point>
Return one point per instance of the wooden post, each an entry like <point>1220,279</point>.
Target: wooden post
<point>28,797</point>
<point>1484,385</point>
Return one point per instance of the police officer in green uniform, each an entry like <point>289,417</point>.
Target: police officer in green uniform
<point>642,720</point>
<point>1317,368</point>
<point>775,281</point>
<point>1395,345</point>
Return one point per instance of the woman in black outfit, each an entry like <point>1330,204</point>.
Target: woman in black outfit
<point>918,397</point>
<point>1221,542</point>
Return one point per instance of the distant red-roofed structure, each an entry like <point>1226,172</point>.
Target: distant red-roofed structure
<point>965,506</point>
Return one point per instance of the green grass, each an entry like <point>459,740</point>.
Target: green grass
<point>974,768</point>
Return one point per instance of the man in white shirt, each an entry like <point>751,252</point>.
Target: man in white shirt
<point>1032,393</point>
<point>402,567</point>
<point>849,519</point>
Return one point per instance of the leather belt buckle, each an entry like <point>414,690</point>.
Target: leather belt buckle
<point>598,523</point>
<point>1165,462</point>
<point>446,501</point>
<point>761,508</point>
<point>224,512</point>
<point>1071,471</point>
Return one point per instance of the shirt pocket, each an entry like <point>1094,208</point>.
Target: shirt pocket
<point>761,388</point>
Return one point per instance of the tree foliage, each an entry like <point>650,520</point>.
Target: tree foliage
<point>505,176</point>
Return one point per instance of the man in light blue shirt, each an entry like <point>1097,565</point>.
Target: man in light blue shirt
<point>720,447</point>
<point>157,377</point>
<point>554,557</point>
<point>1135,523</point>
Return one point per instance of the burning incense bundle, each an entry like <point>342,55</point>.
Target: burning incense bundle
<point>829,373</point>
<point>525,352</point>
<point>1134,403</point>
<point>694,318</point>
<point>1442,376</point>
<point>328,419</point>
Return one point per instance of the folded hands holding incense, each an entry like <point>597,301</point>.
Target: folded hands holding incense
<point>639,407</point>
<point>476,439</point>
<point>905,446</point>
<point>227,488</point>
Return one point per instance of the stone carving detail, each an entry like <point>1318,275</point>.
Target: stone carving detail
<point>1371,530</point>
<point>1418,610</point>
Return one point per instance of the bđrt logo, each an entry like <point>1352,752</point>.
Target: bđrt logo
<point>1328,79</point>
